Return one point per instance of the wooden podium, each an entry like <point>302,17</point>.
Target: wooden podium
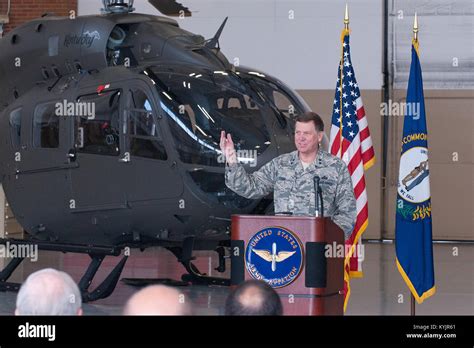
<point>318,288</point>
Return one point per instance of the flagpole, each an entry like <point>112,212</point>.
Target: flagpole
<point>415,28</point>
<point>346,27</point>
<point>346,18</point>
<point>415,39</point>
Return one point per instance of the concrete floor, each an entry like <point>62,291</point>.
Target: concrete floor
<point>378,293</point>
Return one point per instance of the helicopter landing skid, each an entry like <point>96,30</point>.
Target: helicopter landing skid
<point>194,276</point>
<point>97,255</point>
<point>7,272</point>
<point>107,286</point>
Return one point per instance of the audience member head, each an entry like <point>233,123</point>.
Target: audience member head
<point>49,292</point>
<point>253,297</point>
<point>157,300</point>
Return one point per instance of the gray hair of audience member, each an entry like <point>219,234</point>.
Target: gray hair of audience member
<point>49,292</point>
<point>253,297</point>
<point>158,300</point>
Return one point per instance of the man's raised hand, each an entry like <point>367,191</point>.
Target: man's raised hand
<point>228,148</point>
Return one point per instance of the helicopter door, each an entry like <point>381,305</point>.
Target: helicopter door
<point>44,145</point>
<point>98,181</point>
<point>153,173</point>
<point>39,167</point>
<point>42,148</point>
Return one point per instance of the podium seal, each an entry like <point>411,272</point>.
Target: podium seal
<point>274,255</point>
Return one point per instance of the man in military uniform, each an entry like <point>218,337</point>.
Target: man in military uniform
<point>291,176</point>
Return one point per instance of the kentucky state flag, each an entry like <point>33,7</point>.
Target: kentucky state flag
<point>413,236</point>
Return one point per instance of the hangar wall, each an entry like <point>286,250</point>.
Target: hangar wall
<point>295,40</point>
<point>447,57</point>
<point>22,11</point>
<point>298,41</point>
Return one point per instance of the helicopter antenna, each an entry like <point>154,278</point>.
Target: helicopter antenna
<point>117,6</point>
<point>214,42</point>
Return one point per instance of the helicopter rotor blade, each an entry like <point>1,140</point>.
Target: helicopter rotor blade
<point>171,8</point>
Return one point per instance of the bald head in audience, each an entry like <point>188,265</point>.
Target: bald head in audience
<point>157,300</point>
<point>253,297</point>
<point>49,292</point>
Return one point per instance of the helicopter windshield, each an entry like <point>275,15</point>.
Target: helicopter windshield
<point>200,104</point>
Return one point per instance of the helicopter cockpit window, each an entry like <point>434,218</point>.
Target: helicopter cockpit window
<point>15,127</point>
<point>145,138</point>
<point>284,104</point>
<point>98,132</point>
<point>199,106</point>
<point>46,126</point>
<point>280,98</point>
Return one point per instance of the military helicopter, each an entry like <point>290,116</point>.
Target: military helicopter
<point>110,127</point>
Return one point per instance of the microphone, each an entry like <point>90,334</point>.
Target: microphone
<point>316,195</point>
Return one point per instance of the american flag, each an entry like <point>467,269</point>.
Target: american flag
<point>350,140</point>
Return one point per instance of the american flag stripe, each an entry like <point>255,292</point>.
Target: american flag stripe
<point>358,175</point>
<point>366,146</point>
<point>359,189</point>
<point>334,145</point>
<point>361,206</point>
<point>361,115</point>
<point>365,134</point>
<point>363,125</point>
<point>364,215</point>
<point>367,157</point>
<point>360,107</point>
<point>350,140</point>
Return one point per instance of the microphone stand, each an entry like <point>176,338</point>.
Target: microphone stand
<point>318,198</point>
